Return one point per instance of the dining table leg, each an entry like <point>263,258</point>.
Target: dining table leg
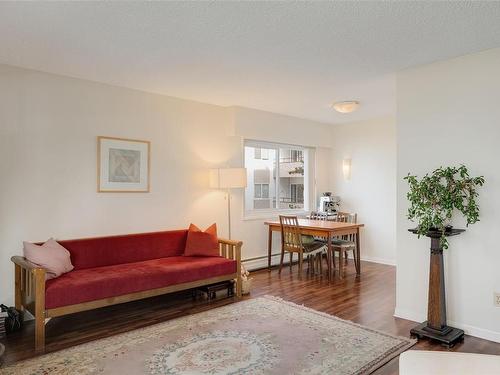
<point>269,248</point>
<point>341,262</point>
<point>329,256</point>
<point>358,251</point>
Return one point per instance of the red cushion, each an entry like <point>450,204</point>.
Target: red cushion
<point>200,243</point>
<point>102,282</point>
<point>106,251</point>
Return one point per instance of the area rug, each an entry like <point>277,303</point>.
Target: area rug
<point>265,335</point>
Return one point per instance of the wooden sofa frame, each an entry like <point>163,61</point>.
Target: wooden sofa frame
<point>30,290</point>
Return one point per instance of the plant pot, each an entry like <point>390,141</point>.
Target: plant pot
<point>246,285</point>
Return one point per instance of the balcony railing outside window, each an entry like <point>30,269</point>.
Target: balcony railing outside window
<point>292,200</point>
<point>292,160</point>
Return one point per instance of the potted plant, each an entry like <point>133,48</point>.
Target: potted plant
<point>433,201</point>
<point>435,197</point>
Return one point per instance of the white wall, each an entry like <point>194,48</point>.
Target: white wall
<point>371,191</point>
<point>48,130</point>
<point>252,124</point>
<point>448,114</point>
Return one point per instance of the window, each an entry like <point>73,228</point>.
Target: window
<point>257,153</point>
<point>261,153</point>
<point>291,156</point>
<point>261,191</point>
<point>277,177</point>
<point>297,193</point>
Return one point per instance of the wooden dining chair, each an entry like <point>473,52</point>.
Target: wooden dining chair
<point>315,215</point>
<point>292,241</point>
<point>346,243</point>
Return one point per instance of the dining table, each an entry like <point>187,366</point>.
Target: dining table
<point>325,229</point>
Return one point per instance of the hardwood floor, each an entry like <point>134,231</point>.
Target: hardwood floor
<point>368,300</point>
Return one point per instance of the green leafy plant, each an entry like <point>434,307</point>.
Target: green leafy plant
<point>435,197</point>
<point>297,170</point>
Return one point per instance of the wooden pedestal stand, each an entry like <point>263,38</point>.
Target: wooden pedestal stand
<point>435,327</point>
<point>2,349</point>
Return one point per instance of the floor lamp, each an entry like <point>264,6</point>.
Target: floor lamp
<point>228,178</point>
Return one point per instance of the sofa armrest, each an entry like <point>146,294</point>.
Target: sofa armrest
<point>232,250</point>
<point>230,242</point>
<point>29,282</point>
<point>25,264</point>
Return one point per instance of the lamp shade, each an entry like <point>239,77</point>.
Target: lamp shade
<point>228,178</point>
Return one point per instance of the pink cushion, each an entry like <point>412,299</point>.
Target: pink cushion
<point>200,243</point>
<point>51,256</point>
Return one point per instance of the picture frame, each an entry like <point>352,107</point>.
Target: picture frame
<point>123,165</point>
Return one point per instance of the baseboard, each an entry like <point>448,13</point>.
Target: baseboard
<point>255,264</point>
<point>481,333</point>
<point>410,315</point>
<point>477,331</point>
<point>261,262</point>
<point>388,262</point>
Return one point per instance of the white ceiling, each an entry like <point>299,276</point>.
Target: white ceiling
<point>287,57</point>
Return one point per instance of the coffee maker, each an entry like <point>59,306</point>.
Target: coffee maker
<point>329,203</point>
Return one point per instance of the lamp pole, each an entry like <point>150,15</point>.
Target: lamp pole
<point>228,178</point>
<point>229,211</point>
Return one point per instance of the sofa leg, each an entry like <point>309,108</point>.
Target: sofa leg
<point>238,287</point>
<point>39,334</point>
<point>39,311</point>
<point>17,285</point>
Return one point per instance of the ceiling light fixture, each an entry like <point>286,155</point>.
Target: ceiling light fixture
<point>346,106</point>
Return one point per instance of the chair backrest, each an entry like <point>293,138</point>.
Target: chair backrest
<point>318,215</point>
<point>291,238</point>
<point>346,217</point>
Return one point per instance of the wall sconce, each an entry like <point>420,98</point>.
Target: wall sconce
<point>346,169</point>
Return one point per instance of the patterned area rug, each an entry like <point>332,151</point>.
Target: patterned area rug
<point>265,335</point>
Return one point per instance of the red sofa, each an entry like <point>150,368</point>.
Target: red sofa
<point>118,269</point>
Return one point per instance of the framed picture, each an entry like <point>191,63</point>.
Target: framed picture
<point>122,165</point>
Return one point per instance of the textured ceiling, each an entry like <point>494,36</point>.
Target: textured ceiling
<point>287,57</point>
